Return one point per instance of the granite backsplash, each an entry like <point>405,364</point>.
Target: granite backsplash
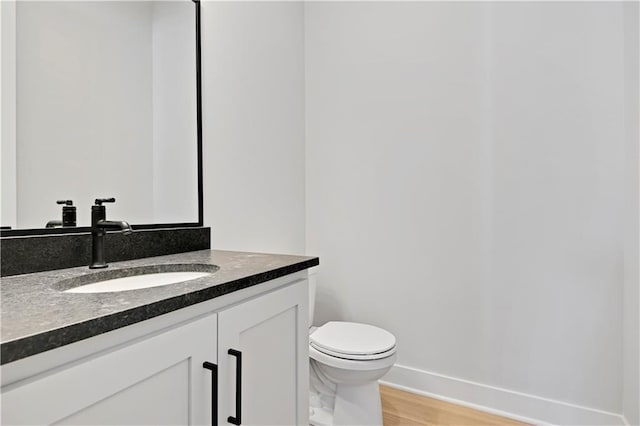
<point>37,253</point>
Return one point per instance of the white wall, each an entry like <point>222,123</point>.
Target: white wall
<point>254,125</point>
<point>465,175</point>
<point>631,365</point>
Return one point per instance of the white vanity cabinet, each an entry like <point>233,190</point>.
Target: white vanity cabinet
<point>159,378</point>
<point>263,346</point>
<point>152,381</point>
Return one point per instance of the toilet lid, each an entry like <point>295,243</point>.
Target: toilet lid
<point>352,339</point>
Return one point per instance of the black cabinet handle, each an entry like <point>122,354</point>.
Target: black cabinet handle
<point>214,391</point>
<point>237,420</point>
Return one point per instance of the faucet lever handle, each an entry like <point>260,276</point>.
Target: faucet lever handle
<point>99,201</point>
<point>66,202</point>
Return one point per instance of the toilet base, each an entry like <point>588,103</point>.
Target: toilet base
<point>354,405</point>
<point>358,405</point>
<point>320,417</point>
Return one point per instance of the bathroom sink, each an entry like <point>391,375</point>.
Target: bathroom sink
<point>117,280</point>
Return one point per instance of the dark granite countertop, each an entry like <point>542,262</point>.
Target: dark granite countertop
<point>36,316</point>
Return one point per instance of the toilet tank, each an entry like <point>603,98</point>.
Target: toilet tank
<point>312,293</point>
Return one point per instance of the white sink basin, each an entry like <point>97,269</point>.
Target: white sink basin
<point>137,282</point>
<point>135,278</point>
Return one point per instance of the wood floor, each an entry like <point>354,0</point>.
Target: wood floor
<point>403,408</point>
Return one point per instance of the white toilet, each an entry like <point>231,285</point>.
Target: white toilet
<point>346,360</point>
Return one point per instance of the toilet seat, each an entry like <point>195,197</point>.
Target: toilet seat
<point>353,341</point>
<point>352,364</point>
<point>353,357</point>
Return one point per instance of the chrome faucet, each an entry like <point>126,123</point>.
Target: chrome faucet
<point>99,227</point>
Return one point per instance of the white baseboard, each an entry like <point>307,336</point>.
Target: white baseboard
<point>503,402</point>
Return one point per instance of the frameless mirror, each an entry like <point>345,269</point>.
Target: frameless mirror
<point>106,105</point>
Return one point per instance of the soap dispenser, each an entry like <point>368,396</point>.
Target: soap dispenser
<point>68,215</point>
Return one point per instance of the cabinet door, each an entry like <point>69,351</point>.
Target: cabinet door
<point>155,380</point>
<point>270,333</point>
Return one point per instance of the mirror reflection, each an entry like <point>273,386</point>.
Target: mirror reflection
<point>105,96</point>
